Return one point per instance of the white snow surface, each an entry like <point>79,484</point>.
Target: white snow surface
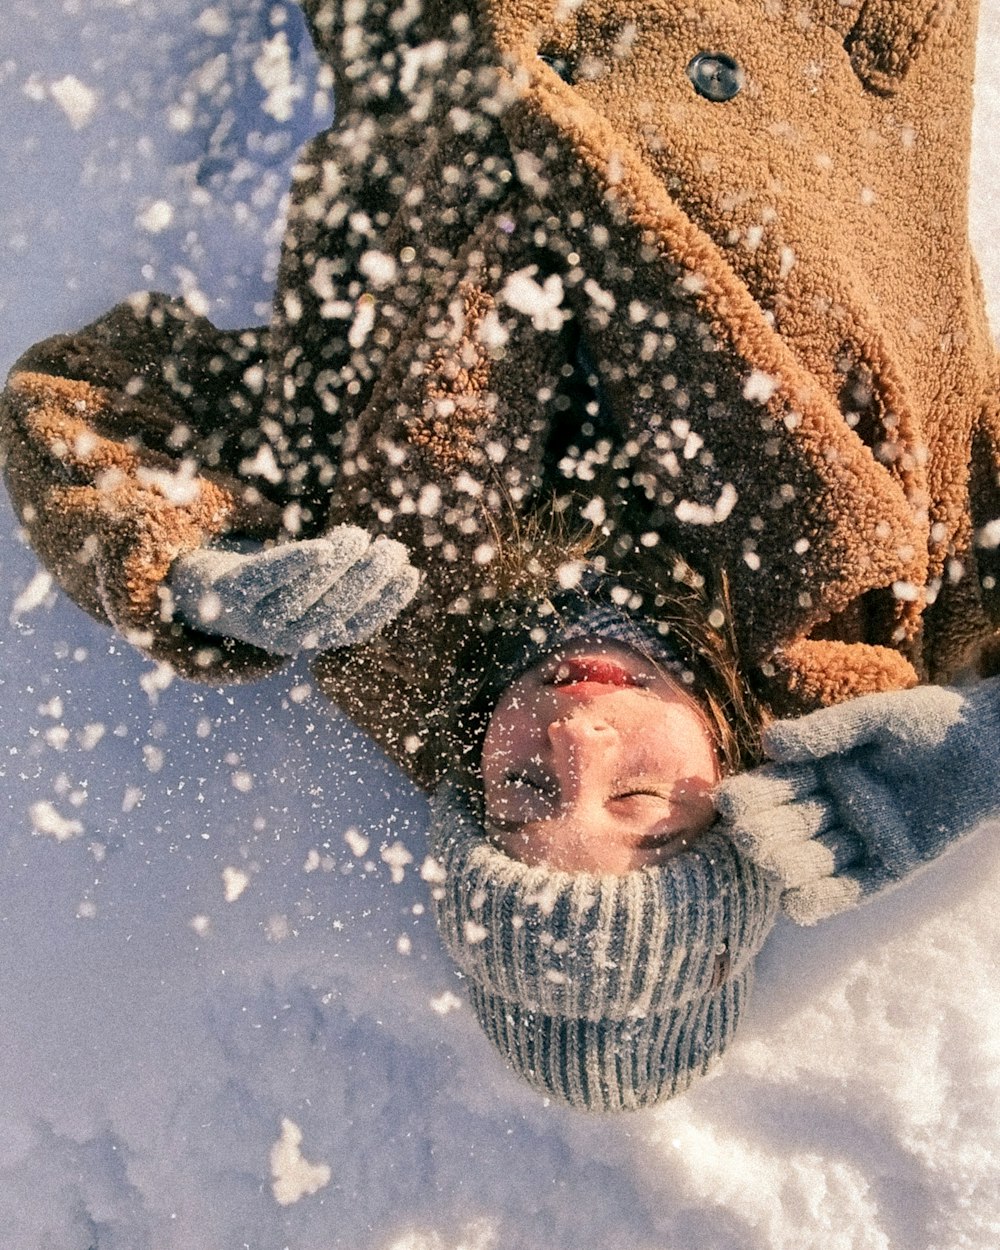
<point>225,1019</point>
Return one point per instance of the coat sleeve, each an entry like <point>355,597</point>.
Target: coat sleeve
<point>123,449</point>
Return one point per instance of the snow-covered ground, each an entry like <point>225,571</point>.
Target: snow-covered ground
<point>225,1020</point>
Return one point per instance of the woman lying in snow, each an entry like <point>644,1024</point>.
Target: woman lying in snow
<point>565,292</point>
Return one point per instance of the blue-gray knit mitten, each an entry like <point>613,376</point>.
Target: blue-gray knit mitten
<point>319,593</point>
<point>863,793</point>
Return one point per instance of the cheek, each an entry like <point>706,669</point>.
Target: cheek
<point>510,741</point>
<point>520,845</point>
<point>701,753</point>
<point>549,844</point>
<point>501,733</point>
<point>685,746</point>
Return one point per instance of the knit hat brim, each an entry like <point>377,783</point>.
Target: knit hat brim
<point>614,1065</point>
<point>608,992</point>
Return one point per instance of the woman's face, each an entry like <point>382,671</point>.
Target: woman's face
<point>594,760</point>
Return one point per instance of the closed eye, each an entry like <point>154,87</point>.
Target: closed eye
<point>643,792</point>
<point>524,779</point>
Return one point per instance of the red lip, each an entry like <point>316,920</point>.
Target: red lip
<point>595,670</point>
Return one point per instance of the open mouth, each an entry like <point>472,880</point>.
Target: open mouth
<point>593,670</point>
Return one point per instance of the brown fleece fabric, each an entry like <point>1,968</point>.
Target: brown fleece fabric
<point>766,306</point>
<point>110,454</point>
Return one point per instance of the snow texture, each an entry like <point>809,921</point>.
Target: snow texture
<point>226,1019</point>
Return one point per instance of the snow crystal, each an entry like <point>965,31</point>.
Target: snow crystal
<point>357,843</point>
<point>90,735</point>
<point>209,77</point>
<point>397,856</point>
<point>432,871</point>
<point>34,88</point>
<point>599,297</point>
<point>180,118</point>
<point>33,595</point>
<point>210,607</point>
<point>417,60</point>
<point>179,486</point>
<point>292,1176</point>
<point>262,464</point>
<point>708,514</point>
<point>787,262</point>
<point>153,758</point>
<point>569,573</point>
<point>156,680</point>
<point>379,268</point>
<point>273,70</point>
<point>493,335</point>
<point>213,22</point>
<point>988,536</point>
<point>277,928</point>
<point>156,217</point>
<point>234,883</point>
<point>478,1235</point>
<point>445,1003</point>
<point>46,820</point>
<point>429,499</point>
<point>76,99</point>
<point>594,511</point>
<point>759,386</point>
<point>194,297</point>
<point>541,301</point>
<point>363,323</point>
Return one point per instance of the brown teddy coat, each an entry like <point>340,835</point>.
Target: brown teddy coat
<point>533,279</point>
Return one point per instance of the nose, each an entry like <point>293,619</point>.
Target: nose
<point>582,733</point>
<point>582,751</point>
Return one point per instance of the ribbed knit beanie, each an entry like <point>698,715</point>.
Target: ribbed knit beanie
<point>609,993</point>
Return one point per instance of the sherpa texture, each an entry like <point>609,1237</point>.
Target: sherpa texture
<point>608,992</point>
<point>532,273</point>
<point>862,794</point>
